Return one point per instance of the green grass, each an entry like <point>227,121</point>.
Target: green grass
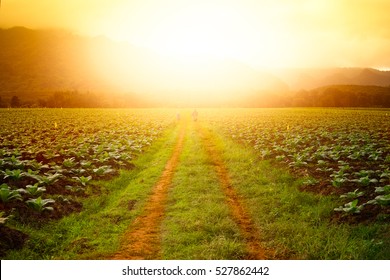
<point>297,224</point>
<point>95,233</point>
<point>197,224</point>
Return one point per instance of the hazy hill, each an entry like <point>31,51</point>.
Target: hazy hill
<point>34,63</point>
<point>38,64</point>
<point>44,61</point>
<point>311,78</point>
<point>343,96</point>
<point>372,77</point>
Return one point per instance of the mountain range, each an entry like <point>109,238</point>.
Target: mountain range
<point>34,63</point>
<point>311,78</point>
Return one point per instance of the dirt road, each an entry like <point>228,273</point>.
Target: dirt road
<point>143,238</point>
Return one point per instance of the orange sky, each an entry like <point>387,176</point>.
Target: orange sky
<point>261,33</point>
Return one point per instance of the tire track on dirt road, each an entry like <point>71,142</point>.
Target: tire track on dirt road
<point>143,238</point>
<point>239,214</point>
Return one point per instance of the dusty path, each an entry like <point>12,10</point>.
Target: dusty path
<point>238,211</point>
<point>142,240</point>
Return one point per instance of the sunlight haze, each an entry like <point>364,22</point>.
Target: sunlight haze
<point>209,49</point>
<point>261,33</point>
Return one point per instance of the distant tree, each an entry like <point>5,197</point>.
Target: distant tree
<point>15,102</point>
<point>42,103</point>
<point>303,98</point>
<point>60,99</point>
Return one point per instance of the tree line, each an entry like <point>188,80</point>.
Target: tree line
<point>330,96</point>
<point>74,99</point>
<point>344,96</point>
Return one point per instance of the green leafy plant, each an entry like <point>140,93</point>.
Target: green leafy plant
<point>344,168</point>
<point>7,194</point>
<point>35,190</point>
<point>280,157</point>
<point>364,173</point>
<point>298,161</point>
<point>50,178</point>
<point>325,169</point>
<point>39,204</point>
<point>15,162</point>
<point>350,207</point>
<point>69,162</point>
<point>102,170</point>
<point>49,154</point>
<point>375,155</point>
<point>385,176</point>
<point>3,219</point>
<point>78,171</point>
<point>352,195</point>
<point>83,180</point>
<point>321,163</point>
<point>36,165</point>
<point>86,163</point>
<point>383,200</point>
<point>74,188</point>
<point>310,182</point>
<point>15,174</point>
<point>365,181</point>
<point>385,189</point>
<point>63,199</point>
<point>338,181</point>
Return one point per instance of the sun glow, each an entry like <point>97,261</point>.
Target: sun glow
<point>201,31</point>
<point>211,47</point>
<point>201,50</point>
<point>260,33</point>
<point>206,30</point>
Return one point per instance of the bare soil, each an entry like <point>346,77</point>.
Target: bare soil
<point>11,239</point>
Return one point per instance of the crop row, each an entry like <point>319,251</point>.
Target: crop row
<point>344,152</point>
<point>50,157</point>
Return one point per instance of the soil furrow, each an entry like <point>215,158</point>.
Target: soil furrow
<point>142,240</point>
<point>240,215</point>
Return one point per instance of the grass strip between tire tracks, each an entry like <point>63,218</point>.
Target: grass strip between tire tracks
<point>198,224</point>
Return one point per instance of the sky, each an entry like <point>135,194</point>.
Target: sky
<point>261,33</point>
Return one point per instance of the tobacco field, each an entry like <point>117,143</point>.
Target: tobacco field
<point>340,152</point>
<point>49,158</point>
<point>54,160</point>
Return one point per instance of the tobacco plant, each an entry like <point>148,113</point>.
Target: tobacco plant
<point>7,194</point>
<point>39,204</point>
